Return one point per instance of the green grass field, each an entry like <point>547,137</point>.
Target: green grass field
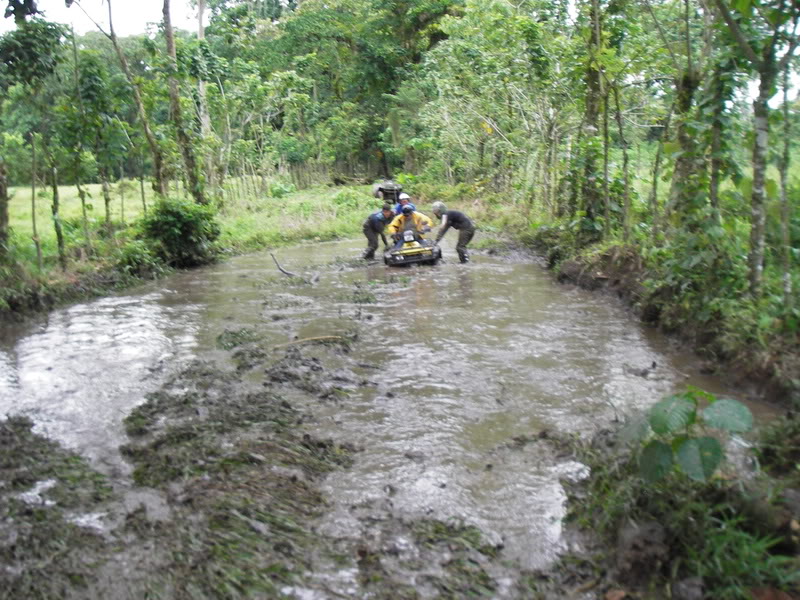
<point>251,223</point>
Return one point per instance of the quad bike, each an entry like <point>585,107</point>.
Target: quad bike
<point>412,249</point>
<point>389,191</point>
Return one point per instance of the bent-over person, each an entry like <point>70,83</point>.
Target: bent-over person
<point>373,227</point>
<point>458,221</point>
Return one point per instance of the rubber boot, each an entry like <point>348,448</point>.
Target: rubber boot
<point>463,257</point>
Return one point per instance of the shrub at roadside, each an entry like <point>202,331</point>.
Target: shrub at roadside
<point>181,232</point>
<point>655,494</point>
<point>138,259</point>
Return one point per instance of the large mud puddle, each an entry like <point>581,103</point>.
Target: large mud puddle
<point>455,376</point>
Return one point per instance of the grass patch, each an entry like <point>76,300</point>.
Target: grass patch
<point>723,531</point>
<point>38,544</point>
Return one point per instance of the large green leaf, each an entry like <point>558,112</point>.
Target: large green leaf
<point>656,461</point>
<point>730,415</point>
<point>700,457</point>
<point>671,147</point>
<point>672,414</point>
<point>635,429</point>
<point>772,189</point>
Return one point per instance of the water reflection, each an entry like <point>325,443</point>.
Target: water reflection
<point>81,371</point>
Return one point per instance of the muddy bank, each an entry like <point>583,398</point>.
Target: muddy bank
<point>773,371</point>
<point>23,296</point>
<point>223,498</point>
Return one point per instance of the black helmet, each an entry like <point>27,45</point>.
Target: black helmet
<point>407,210</point>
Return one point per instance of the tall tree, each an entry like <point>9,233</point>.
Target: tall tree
<point>160,183</point>
<point>184,139</point>
<point>28,55</point>
<point>766,33</point>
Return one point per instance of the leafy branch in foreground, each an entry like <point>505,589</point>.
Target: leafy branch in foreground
<point>680,434</point>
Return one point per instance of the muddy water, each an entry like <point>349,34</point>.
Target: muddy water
<point>463,368</point>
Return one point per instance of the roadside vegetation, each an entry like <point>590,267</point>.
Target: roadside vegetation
<point>643,147</point>
<point>683,521</point>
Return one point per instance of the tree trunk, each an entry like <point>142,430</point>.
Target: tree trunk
<point>184,141</point>
<point>653,200</point>
<point>4,220</point>
<point>79,148</point>
<point>686,165</point>
<point>758,217</point>
<point>160,184</point>
<point>716,139</point>
<point>62,254</point>
<point>121,192</point>
<point>84,216</point>
<point>590,192</point>
<point>205,118</point>
<point>141,186</point>
<point>788,302</point>
<point>106,199</point>
<point>34,231</point>
<point>606,195</point>
<point>626,198</point>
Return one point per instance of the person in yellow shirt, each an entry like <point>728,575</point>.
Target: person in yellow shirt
<point>409,219</point>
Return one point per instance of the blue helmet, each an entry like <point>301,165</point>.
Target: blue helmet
<point>407,210</point>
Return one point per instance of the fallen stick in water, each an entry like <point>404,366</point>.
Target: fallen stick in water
<point>312,281</point>
<point>321,338</point>
<point>281,269</point>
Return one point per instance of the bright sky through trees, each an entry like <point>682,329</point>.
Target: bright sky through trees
<point>130,16</point>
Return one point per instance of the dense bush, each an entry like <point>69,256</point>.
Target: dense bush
<point>352,199</point>
<point>279,189</point>
<point>182,233</point>
<point>138,259</point>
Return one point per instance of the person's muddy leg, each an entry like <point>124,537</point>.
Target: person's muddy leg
<point>372,243</point>
<point>464,238</point>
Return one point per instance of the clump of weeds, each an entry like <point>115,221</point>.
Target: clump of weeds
<point>778,448</point>
<point>361,294</point>
<point>37,538</point>
<point>451,562</point>
<point>241,478</point>
<point>684,530</point>
<point>231,338</point>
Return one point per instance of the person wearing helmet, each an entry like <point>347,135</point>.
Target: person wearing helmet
<point>373,227</point>
<point>409,218</point>
<point>403,200</point>
<point>458,221</point>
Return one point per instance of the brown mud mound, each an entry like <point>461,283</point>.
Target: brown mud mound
<point>225,500</point>
<point>236,476</point>
<point>44,492</point>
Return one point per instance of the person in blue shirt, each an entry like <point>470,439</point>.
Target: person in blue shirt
<point>403,200</point>
<point>373,227</point>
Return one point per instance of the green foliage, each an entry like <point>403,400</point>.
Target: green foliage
<point>30,53</point>
<point>137,258</point>
<point>182,232</point>
<point>352,200</point>
<point>734,560</point>
<point>676,421</point>
<point>710,529</point>
<point>279,189</point>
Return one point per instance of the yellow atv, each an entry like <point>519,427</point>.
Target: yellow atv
<point>412,249</point>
